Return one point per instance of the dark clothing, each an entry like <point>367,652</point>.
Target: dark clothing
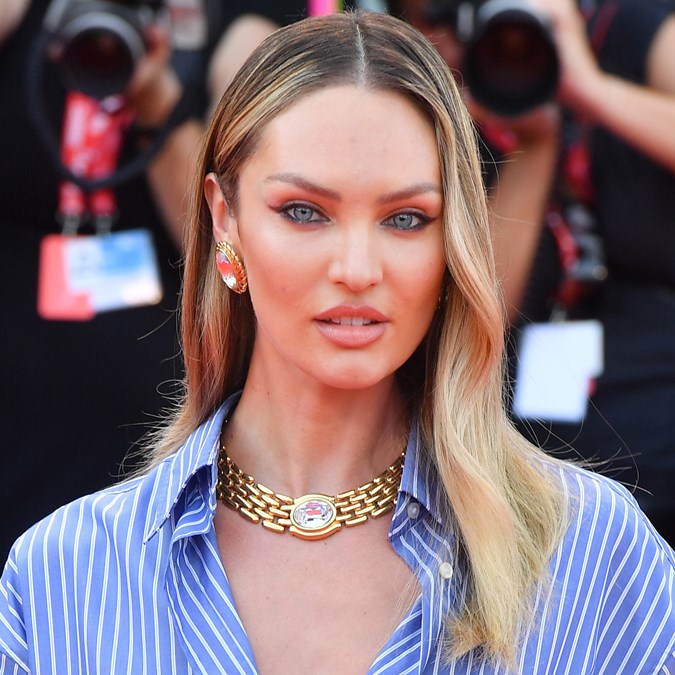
<point>635,197</point>
<point>630,423</point>
<point>77,394</point>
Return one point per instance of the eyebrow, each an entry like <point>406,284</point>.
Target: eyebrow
<point>412,191</point>
<point>301,182</point>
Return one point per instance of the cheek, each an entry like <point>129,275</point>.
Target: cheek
<point>418,297</point>
<point>268,258</point>
<point>281,274</point>
<point>422,275</point>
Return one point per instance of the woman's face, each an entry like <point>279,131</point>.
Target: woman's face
<point>339,225</point>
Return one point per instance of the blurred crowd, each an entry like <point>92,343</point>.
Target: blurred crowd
<point>575,107</point>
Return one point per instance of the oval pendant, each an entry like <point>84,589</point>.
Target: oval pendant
<point>313,517</point>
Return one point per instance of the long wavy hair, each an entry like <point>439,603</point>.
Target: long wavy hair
<point>505,507</point>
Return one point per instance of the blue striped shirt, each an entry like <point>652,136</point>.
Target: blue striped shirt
<point>130,580</point>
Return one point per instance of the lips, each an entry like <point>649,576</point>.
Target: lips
<point>352,326</point>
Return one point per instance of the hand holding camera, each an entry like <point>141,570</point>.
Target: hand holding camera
<point>510,62</point>
<point>154,88</point>
<point>579,70</point>
<point>117,52</point>
<point>99,43</point>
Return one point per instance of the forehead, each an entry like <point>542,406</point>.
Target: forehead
<point>351,130</point>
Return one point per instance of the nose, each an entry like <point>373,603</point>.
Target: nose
<point>356,261</point>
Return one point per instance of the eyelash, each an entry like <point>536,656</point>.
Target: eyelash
<point>318,217</point>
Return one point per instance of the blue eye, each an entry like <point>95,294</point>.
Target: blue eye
<point>406,221</point>
<point>302,213</point>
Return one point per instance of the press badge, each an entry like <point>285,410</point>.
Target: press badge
<point>83,275</point>
<point>557,367</point>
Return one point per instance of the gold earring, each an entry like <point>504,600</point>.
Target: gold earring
<point>230,267</point>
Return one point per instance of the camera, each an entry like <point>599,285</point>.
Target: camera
<point>510,60</point>
<point>98,43</point>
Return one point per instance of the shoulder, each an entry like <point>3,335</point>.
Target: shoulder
<point>611,597</point>
<point>121,521</point>
<point>51,562</point>
<point>627,30</point>
<point>600,506</point>
<point>98,556</point>
<point>11,14</point>
<point>608,534</point>
<point>125,516</point>
<point>85,522</point>
<point>99,550</point>
<point>634,17</point>
<point>113,522</point>
<point>613,578</point>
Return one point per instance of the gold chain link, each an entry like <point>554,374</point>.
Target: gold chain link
<point>274,511</point>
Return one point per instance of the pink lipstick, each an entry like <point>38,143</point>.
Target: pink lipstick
<point>351,326</point>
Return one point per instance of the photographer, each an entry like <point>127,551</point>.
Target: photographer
<point>76,392</point>
<point>621,84</point>
<point>79,394</point>
<point>611,176</point>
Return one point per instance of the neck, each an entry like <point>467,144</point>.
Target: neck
<point>315,439</point>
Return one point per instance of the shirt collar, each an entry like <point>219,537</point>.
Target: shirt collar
<point>196,459</point>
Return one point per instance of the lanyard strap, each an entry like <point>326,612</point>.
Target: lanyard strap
<point>91,141</point>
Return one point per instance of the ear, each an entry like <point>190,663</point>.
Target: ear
<point>223,221</point>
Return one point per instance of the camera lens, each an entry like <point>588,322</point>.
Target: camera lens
<point>100,50</point>
<point>98,62</point>
<point>511,64</point>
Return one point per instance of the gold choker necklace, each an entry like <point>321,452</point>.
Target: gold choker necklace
<point>312,516</point>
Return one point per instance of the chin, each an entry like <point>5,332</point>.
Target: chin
<point>354,385</point>
<point>355,378</point>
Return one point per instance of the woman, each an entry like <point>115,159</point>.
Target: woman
<point>339,197</point>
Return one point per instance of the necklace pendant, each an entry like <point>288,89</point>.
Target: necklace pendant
<point>313,516</point>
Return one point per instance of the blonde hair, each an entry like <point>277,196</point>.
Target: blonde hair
<point>505,507</point>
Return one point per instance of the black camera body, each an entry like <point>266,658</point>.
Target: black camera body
<point>98,43</point>
<point>511,61</point>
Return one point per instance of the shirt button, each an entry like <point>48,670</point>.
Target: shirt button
<point>413,510</point>
<point>445,570</point>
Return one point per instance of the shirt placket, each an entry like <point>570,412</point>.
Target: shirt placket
<point>208,627</point>
<point>428,553</point>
